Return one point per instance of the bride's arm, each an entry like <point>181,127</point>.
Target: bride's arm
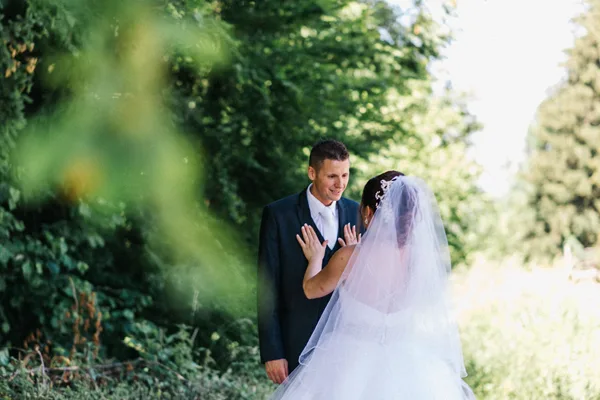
<point>319,282</point>
<point>323,282</point>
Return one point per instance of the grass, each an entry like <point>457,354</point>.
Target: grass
<point>529,333</point>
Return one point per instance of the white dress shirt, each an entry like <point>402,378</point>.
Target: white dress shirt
<point>318,211</point>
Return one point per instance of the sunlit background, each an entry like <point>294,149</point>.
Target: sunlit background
<point>139,142</point>
<point>501,50</point>
<point>508,55</point>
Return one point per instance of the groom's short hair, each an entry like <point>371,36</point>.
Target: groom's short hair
<point>327,149</point>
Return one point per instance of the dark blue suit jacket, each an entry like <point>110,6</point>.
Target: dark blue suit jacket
<point>286,318</point>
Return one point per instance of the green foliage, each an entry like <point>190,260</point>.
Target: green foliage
<point>562,172</point>
<point>437,152</point>
<point>112,138</point>
<point>59,246</point>
<point>134,134</point>
<point>316,73</point>
<point>167,368</point>
<point>41,246</point>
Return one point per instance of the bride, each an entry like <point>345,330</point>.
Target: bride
<point>388,332</point>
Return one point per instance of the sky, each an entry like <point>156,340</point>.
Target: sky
<point>506,55</point>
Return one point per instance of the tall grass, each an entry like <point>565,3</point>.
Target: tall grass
<point>529,333</point>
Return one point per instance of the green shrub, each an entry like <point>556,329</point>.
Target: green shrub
<point>167,368</point>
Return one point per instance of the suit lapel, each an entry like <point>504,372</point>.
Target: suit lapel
<point>304,216</point>
<point>341,209</point>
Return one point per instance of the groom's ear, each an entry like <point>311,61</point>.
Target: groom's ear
<point>312,173</point>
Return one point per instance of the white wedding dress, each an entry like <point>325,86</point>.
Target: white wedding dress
<point>351,365</point>
<point>387,332</point>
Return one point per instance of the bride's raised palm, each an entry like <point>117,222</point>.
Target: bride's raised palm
<point>350,236</point>
<point>311,246</point>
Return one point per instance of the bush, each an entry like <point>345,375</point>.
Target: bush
<point>167,368</point>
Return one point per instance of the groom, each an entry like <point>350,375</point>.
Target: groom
<point>286,318</point>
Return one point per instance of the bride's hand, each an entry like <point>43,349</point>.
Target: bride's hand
<point>349,236</point>
<point>311,247</point>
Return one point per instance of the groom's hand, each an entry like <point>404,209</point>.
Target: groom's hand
<point>277,370</point>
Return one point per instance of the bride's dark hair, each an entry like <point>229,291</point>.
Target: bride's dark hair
<point>374,187</point>
<point>371,196</point>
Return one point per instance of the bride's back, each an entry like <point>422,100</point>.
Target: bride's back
<point>381,285</point>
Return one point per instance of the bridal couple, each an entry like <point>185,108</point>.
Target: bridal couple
<point>357,313</point>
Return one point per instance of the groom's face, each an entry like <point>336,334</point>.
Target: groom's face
<point>330,180</point>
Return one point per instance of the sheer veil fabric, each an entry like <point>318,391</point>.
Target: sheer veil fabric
<point>388,331</point>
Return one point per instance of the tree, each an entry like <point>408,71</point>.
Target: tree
<point>436,150</point>
<point>300,72</point>
<point>563,168</point>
